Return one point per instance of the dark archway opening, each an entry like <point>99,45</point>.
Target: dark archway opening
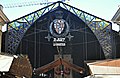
<point>82,47</point>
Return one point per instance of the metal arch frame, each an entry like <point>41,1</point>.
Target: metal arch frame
<point>100,27</point>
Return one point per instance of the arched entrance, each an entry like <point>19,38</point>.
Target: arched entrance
<point>88,38</point>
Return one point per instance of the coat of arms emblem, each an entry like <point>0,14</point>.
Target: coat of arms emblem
<point>59,26</point>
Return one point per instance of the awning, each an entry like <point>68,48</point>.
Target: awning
<point>105,67</point>
<point>5,62</point>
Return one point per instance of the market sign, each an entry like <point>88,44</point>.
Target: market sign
<point>59,30</point>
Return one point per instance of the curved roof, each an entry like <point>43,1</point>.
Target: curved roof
<point>99,26</point>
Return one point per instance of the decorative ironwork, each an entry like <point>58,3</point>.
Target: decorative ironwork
<point>100,27</point>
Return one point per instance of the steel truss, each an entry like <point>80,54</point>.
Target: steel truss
<point>100,27</point>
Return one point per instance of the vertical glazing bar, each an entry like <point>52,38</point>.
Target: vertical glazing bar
<point>35,47</point>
